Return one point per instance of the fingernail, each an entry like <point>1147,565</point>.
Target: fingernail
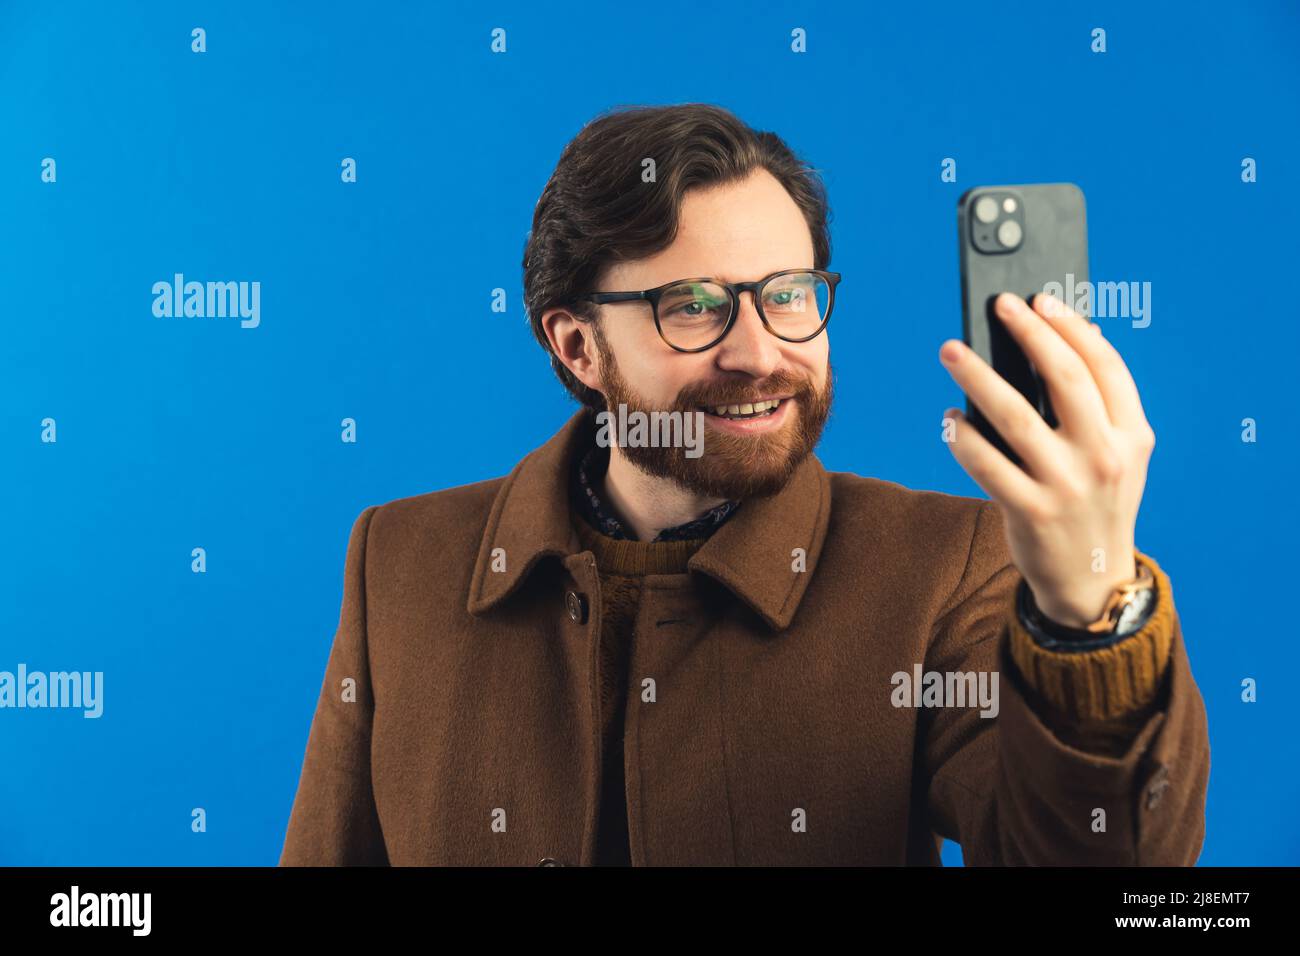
<point>1051,305</point>
<point>951,351</point>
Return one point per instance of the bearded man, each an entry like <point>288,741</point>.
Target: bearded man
<point>625,653</point>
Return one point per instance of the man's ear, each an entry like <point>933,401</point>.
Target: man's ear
<point>574,342</point>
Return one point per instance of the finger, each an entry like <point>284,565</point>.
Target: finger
<point>1114,381</point>
<point>1043,451</point>
<point>1075,397</point>
<point>993,471</point>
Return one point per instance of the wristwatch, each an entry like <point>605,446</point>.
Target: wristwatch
<point>1127,609</point>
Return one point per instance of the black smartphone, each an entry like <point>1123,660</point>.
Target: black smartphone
<point>1026,240</point>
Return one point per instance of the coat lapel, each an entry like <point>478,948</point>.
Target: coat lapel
<point>765,553</point>
<point>529,519</point>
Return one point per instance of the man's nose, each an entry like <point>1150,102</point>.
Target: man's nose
<point>749,346</point>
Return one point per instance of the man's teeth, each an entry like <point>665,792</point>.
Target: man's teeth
<point>755,408</point>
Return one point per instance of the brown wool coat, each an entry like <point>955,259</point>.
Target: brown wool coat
<point>474,737</point>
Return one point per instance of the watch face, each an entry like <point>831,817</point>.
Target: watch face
<point>1134,611</point>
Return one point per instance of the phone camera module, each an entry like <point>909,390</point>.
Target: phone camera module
<point>997,222</point>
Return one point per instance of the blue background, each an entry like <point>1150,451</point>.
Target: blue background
<point>177,433</point>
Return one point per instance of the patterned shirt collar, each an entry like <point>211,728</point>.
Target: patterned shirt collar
<point>591,465</point>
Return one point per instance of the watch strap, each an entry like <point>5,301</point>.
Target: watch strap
<point>1113,681</point>
<point>1051,635</point>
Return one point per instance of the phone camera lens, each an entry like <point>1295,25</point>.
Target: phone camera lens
<point>986,209</point>
<point>1010,234</point>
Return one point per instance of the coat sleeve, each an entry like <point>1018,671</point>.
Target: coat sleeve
<point>1099,758</point>
<point>334,821</point>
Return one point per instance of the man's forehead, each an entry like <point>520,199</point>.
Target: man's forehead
<point>737,232</point>
<point>724,261</point>
<point>647,274</point>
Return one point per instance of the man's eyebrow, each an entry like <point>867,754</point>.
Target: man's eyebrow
<point>687,280</point>
<point>716,277</point>
<point>724,277</point>
<point>729,277</point>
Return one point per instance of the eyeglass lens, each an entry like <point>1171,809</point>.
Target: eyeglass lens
<point>693,314</point>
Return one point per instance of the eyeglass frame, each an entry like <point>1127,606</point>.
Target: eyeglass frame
<point>734,289</point>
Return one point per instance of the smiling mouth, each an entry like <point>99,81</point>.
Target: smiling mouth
<point>745,410</point>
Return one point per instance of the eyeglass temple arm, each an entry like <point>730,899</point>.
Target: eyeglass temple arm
<point>602,297</point>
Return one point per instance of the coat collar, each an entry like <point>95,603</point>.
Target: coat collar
<point>752,553</point>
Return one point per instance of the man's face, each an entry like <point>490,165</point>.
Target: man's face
<point>736,233</point>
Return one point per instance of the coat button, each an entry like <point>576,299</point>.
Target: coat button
<point>577,605</point>
<point>549,861</point>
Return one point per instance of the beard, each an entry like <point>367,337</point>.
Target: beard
<point>733,466</point>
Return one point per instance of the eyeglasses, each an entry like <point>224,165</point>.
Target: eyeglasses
<point>696,314</point>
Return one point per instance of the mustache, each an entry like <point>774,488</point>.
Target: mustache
<point>775,385</point>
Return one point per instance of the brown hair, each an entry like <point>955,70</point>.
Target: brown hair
<point>595,210</point>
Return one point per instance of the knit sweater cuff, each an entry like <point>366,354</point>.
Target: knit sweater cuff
<point>1112,685</point>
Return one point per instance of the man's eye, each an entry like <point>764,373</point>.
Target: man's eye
<point>695,309</point>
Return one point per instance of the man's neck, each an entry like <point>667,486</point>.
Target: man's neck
<point>647,504</point>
